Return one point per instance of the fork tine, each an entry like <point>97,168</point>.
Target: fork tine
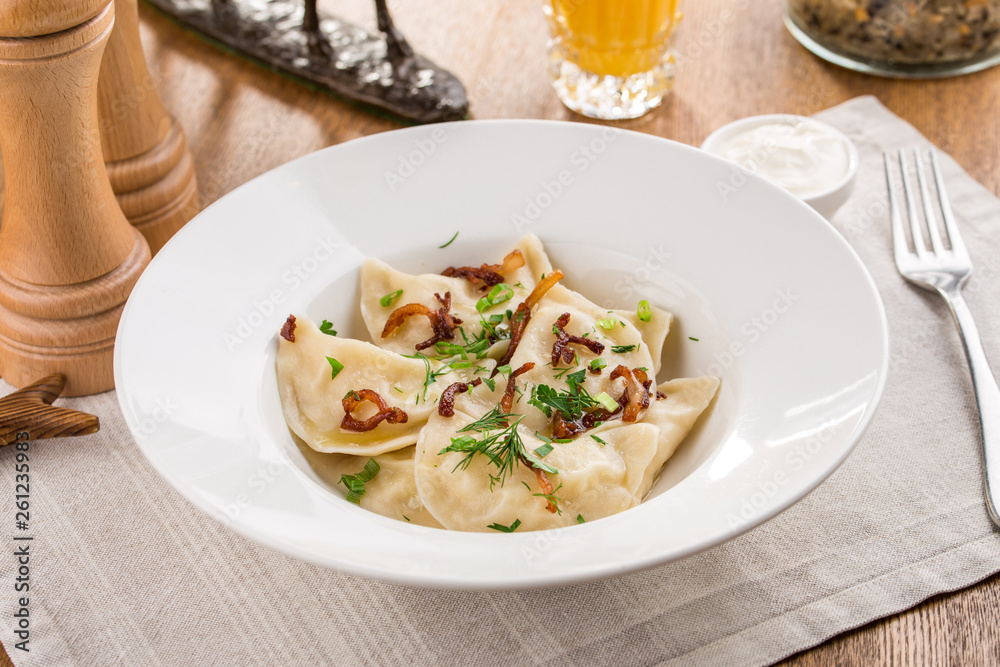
<point>911,210</point>
<point>929,215</point>
<point>954,238</point>
<point>900,250</point>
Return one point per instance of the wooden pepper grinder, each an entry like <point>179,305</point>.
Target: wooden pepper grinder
<point>145,151</point>
<point>68,256</point>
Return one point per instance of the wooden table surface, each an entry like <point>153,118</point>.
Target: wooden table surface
<point>737,60</point>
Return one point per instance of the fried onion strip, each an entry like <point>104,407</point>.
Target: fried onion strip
<point>446,406</point>
<point>507,402</point>
<point>488,274</point>
<point>519,320</point>
<point>288,329</point>
<point>561,349</point>
<point>443,323</point>
<point>547,489</point>
<point>354,398</point>
<point>563,429</point>
<point>543,286</point>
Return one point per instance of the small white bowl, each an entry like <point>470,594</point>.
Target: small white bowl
<point>826,200</point>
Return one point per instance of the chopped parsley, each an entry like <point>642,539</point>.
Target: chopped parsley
<point>327,328</point>
<point>390,297</point>
<point>571,403</point>
<point>449,241</point>
<point>643,311</point>
<point>544,450</point>
<point>356,483</point>
<point>505,529</point>
<point>580,519</point>
<point>335,367</point>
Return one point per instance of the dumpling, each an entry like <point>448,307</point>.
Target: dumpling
<point>378,279</point>
<point>601,472</point>
<point>654,332</point>
<point>621,340</point>
<point>312,401</point>
<point>674,417</point>
<point>393,491</point>
<point>594,468</point>
<point>595,479</point>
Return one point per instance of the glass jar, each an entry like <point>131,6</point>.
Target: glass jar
<point>900,38</point>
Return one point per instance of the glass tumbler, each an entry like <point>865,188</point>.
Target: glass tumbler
<point>612,59</point>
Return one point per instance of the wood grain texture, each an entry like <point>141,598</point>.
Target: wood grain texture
<point>30,411</point>
<point>736,59</point>
<point>27,18</point>
<point>68,257</point>
<point>145,151</point>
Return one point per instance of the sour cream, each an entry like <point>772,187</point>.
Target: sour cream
<point>802,155</point>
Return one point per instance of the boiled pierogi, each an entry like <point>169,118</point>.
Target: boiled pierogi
<point>491,398</point>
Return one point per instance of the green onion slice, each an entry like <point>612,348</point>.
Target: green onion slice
<point>643,311</point>
<point>390,297</point>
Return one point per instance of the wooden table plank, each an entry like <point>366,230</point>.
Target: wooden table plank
<point>736,60</point>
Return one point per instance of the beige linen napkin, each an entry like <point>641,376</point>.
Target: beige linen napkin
<point>125,572</point>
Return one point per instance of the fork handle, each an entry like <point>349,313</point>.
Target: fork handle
<point>987,397</point>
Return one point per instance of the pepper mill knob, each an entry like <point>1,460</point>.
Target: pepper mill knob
<point>68,256</point>
<point>145,152</point>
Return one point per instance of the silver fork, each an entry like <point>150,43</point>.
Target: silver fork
<point>945,269</point>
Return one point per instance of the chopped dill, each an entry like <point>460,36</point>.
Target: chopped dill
<point>552,498</point>
<point>499,441</point>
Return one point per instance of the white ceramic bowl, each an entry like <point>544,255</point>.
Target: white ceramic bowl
<point>780,305</point>
<point>825,200</point>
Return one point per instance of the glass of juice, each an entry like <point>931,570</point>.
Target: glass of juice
<point>612,59</point>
